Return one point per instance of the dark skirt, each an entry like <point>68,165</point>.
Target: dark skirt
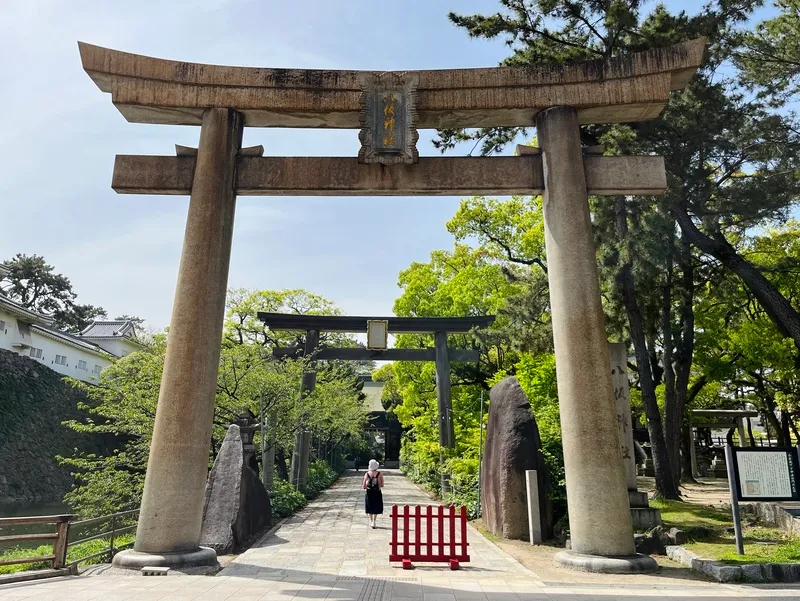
<point>373,502</point>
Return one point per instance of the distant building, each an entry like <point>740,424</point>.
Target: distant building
<point>82,356</point>
<point>385,425</point>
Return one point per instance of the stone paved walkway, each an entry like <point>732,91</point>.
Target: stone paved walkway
<point>328,552</point>
<point>332,537</point>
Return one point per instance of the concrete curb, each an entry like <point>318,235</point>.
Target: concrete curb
<point>722,572</point>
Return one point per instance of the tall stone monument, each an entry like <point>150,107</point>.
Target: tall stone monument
<point>388,108</point>
<point>513,446</point>
<point>643,516</point>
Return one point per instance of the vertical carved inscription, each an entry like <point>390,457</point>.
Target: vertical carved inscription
<point>388,118</point>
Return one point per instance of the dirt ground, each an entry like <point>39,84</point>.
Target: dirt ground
<point>708,491</point>
<point>540,558</point>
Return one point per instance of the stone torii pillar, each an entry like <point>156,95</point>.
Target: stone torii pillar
<point>447,436</point>
<point>601,530</point>
<point>168,533</point>
<point>302,440</point>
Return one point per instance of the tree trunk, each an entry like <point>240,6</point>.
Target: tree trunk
<point>750,433</point>
<point>280,463</point>
<point>793,426</point>
<point>686,455</point>
<point>685,347</point>
<point>787,436</point>
<point>666,487</point>
<point>778,308</point>
<point>673,416</point>
<point>771,406</point>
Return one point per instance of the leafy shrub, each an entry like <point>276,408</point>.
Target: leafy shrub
<point>320,476</point>
<point>285,499</point>
<point>464,484</point>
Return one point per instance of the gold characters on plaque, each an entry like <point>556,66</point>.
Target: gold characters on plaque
<point>389,102</point>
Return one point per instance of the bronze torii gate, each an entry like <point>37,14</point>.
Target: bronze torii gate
<point>388,108</point>
<point>440,327</point>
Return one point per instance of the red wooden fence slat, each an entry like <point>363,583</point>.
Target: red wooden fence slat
<point>393,544</point>
<point>418,534</point>
<point>440,522</point>
<point>463,531</point>
<point>452,530</point>
<point>430,530</point>
<point>405,528</point>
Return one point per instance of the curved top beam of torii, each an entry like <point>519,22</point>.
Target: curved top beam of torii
<point>633,87</point>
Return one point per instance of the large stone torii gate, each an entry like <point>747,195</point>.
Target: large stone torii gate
<point>388,108</point>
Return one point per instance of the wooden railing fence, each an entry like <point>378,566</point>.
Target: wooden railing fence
<point>104,527</point>
<point>118,523</point>
<point>58,559</point>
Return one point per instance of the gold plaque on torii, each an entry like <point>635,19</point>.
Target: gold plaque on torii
<point>388,118</point>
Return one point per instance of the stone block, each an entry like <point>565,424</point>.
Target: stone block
<point>646,544</point>
<point>752,572</point>
<point>722,573</point>
<point>645,518</point>
<point>677,537</point>
<point>513,446</point>
<point>779,572</point>
<point>236,505</point>
<point>637,499</point>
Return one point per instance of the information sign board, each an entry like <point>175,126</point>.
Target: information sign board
<point>766,474</point>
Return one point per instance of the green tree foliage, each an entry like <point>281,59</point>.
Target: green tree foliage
<point>33,283</point>
<point>739,348</point>
<point>731,163</point>
<point>770,55</point>
<point>123,405</point>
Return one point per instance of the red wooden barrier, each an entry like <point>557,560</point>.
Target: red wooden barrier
<point>417,544</point>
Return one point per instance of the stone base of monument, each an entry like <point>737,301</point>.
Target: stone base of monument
<point>136,560</point>
<point>638,499</point>
<point>631,564</point>
<point>645,518</point>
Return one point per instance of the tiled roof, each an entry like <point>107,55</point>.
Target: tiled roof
<point>108,329</point>
<point>21,311</point>
<point>71,339</point>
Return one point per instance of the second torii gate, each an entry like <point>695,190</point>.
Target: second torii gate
<point>388,108</point>
<point>440,327</point>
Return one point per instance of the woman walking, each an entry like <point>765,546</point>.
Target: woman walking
<point>373,499</point>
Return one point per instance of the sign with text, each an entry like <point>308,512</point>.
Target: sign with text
<point>766,474</point>
<point>388,118</point>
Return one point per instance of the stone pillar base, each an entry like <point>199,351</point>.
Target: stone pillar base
<point>630,564</point>
<point>136,560</point>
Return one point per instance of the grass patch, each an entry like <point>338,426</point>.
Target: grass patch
<point>74,552</point>
<point>707,530</point>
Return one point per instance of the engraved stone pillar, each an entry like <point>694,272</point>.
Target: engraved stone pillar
<point>597,497</point>
<point>302,441</point>
<point>622,398</point>
<point>171,514</point>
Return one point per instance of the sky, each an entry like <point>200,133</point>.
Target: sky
<point>60,135</point>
